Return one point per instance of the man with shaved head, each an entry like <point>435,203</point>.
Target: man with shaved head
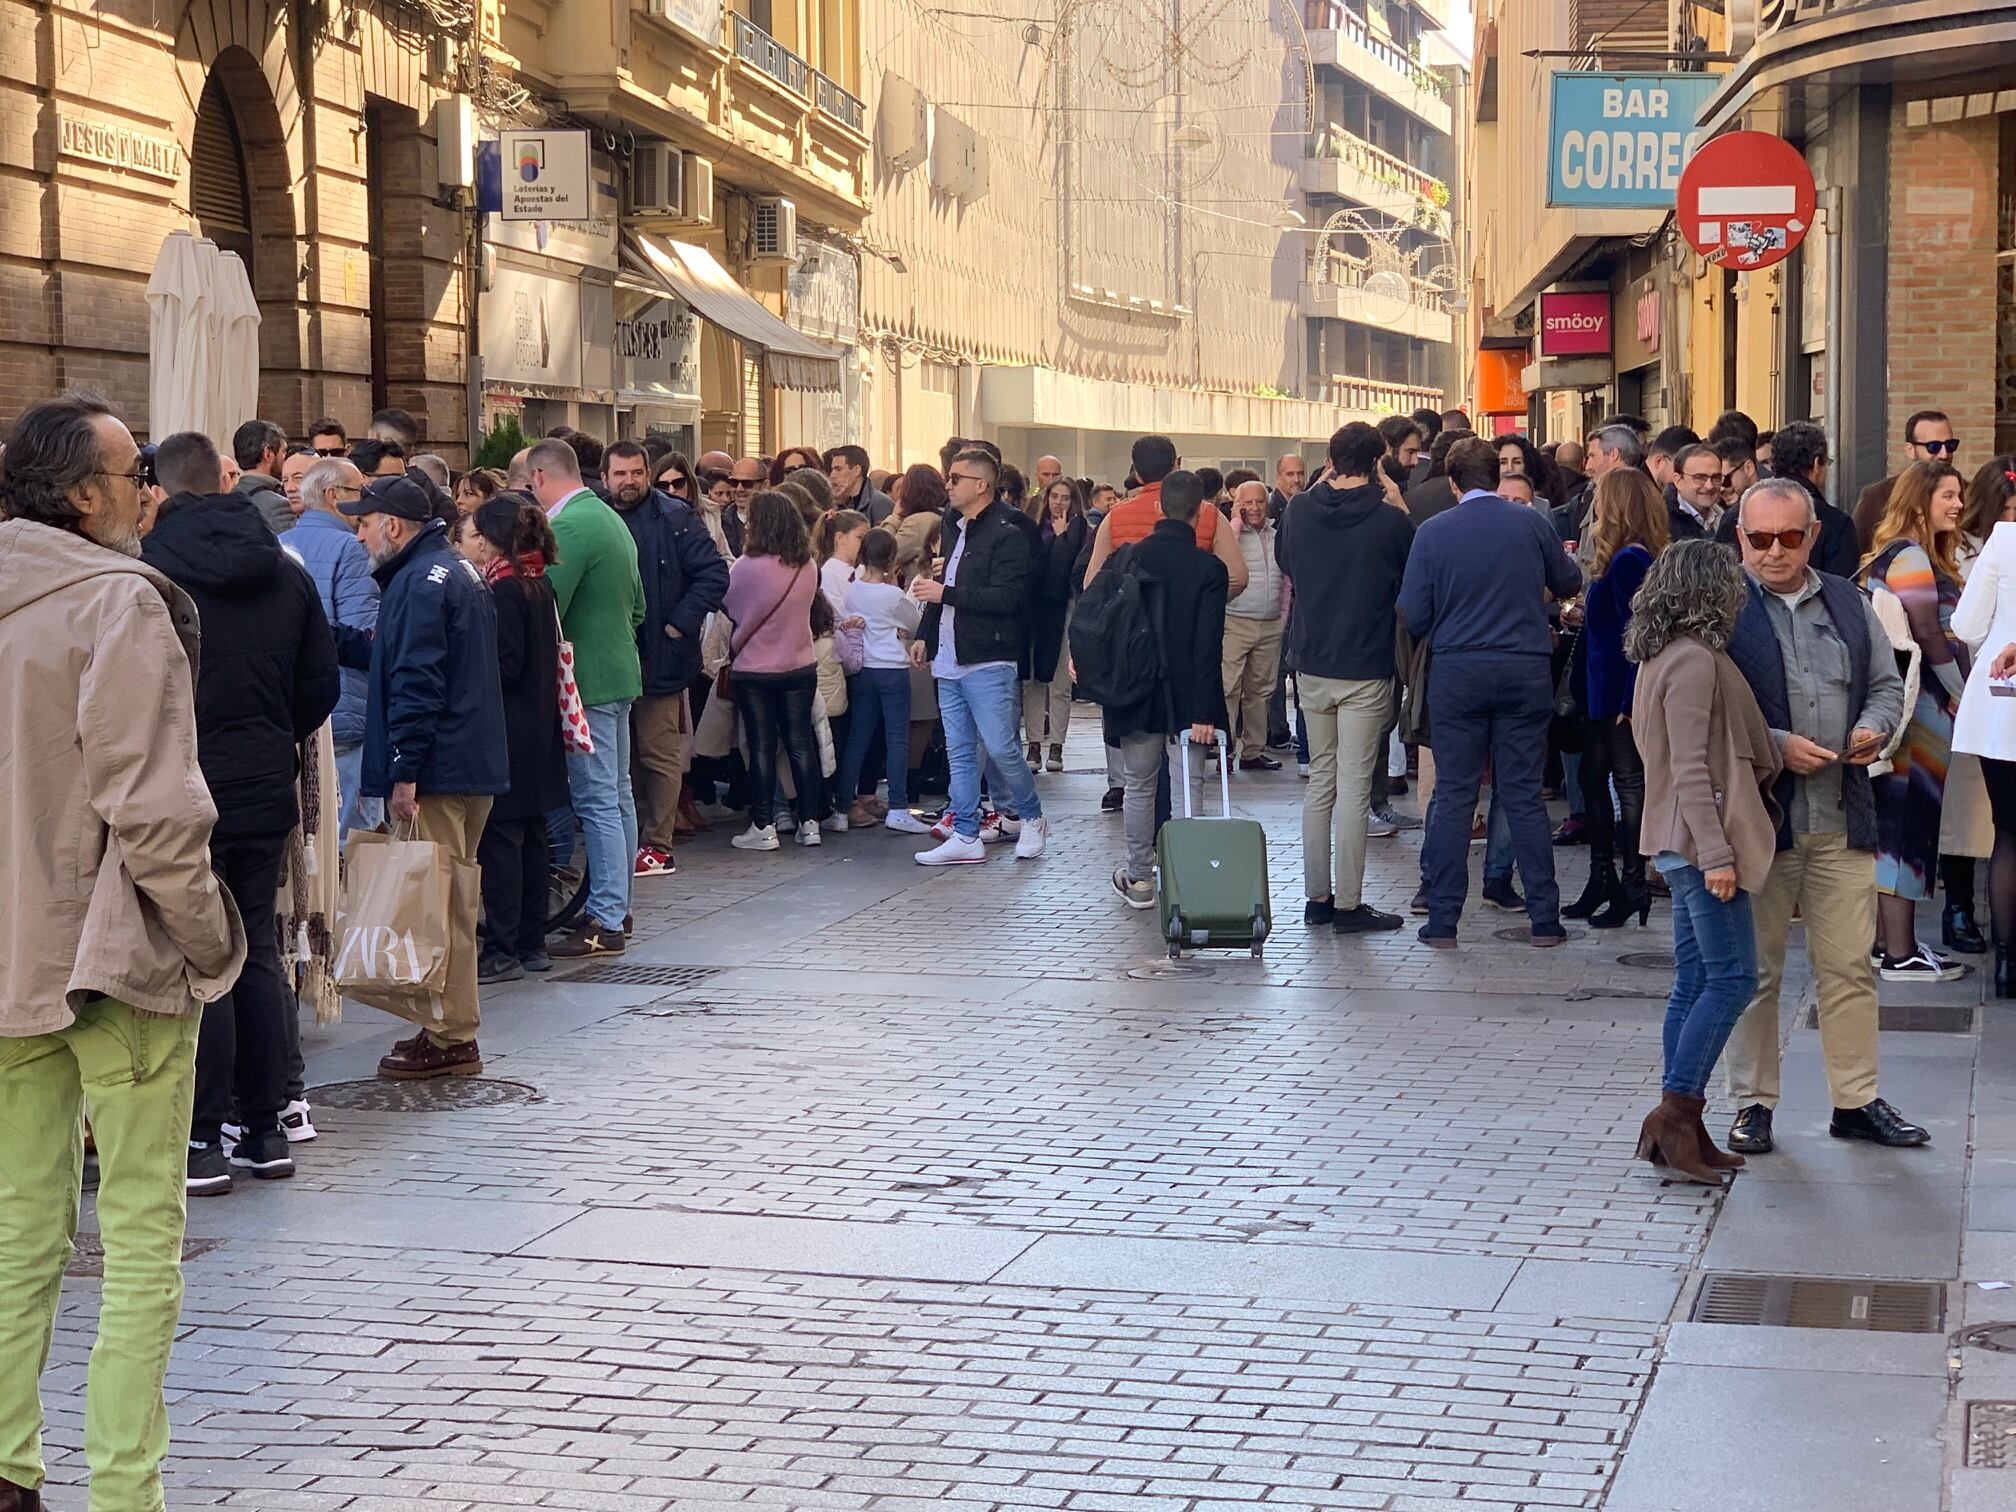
<point>1048,470</point>
<point>1290,474</point>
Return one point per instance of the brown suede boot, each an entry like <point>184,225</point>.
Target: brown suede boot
<point>1667,1139</point>
<point>1712,1154</point>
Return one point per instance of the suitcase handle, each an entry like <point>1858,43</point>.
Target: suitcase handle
<point>1183,743</point>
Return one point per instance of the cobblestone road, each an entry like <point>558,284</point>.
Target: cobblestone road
<point>920,1188</point>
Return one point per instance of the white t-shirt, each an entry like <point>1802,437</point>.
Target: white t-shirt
<point>946,663</point>
<point>888,611</point>
<point>834,576</point>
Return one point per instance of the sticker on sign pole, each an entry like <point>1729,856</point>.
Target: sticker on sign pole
<point>1746,200</point>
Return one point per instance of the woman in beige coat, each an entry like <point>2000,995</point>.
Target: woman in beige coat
<point>1709,827</point>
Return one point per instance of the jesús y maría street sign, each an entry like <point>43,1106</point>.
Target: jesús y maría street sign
<point>1618,141</point>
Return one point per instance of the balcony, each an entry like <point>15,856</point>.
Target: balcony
<point>1342,287</point>
<point>767,55</point>
<point>1340,39</point>
<point>1373,396</point>
<point>1349,167</point>
<point>831,100</point>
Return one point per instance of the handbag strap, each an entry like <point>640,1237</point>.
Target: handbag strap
<point>735,646</point>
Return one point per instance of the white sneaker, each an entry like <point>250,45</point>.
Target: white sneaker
<point>1029,844</point>
<point>786,822</point>
<point>996,827</point>
<point>808,832</point>
<point>756,837</point>
<point>905,823</point>
<point>836,822</point>
<point>958,851</point>
<point>296,1123</point>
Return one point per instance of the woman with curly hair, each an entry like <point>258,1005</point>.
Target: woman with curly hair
<point>792,458</point>
<point>1913,558</point>
<point>1708,826</point>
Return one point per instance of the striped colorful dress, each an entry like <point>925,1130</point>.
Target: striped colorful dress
<point>1909,796</point>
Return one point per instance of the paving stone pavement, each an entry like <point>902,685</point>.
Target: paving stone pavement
<point>950,1187</point>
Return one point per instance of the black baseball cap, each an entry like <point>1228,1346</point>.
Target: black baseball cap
<point>399,497</point>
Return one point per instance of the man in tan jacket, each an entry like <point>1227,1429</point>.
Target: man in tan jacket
<point>113,931</point>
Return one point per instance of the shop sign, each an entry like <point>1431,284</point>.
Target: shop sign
<point>120,147</point>
<point>1619,141</point>
<point>530,328</point>
<point>1498,387</point>
<point>545,176</point>
<point>658,350</point>
<point>1647,311</point>
<point>1575,323</point>
<point>825,293</point>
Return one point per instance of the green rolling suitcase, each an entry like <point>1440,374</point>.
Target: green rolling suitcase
<point>1212,893</point>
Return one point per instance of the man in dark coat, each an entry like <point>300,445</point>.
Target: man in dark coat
<point>266,682</point>
<point>685,580</point>
<point>1186,589</point>
<point>1799,452</point>
<point>434,739</point>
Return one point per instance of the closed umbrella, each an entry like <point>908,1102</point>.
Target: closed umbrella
<point>213,403</point>
<point>237,356</point>
<point>178,338</point>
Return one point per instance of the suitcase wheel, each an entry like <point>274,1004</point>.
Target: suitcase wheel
<point>1175,935</point>
<point>1259,929</point>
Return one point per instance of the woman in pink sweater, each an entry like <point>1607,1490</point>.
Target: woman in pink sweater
<point>772,664</point>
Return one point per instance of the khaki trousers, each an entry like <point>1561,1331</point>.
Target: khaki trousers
<point>661,751</point>
<point>1834,890</point>
<point>1049,702</point>
<point>1252,665</point>
<point>1346,720</point>
<point>454,821</point>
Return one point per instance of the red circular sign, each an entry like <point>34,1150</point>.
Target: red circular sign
<point>1746,200</point>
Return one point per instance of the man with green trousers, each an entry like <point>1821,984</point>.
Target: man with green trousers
<point>601,598</point>
<point>115,931</point>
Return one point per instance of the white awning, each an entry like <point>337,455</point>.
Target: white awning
<point>792,359</point>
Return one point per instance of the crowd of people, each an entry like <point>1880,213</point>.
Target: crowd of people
<point>218,666</point>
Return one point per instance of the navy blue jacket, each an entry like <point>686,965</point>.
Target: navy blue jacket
<point>436,710</point>
<point>685,580</point>
<point>1475,579</point>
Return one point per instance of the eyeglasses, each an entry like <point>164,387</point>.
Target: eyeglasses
<point>332,451</point>
<point>1791,540</point>
<point>1937,447</point>
<point>1704,480</point>
<point>1729,478</point>
<point>137,477</point>
<point>743,482</point>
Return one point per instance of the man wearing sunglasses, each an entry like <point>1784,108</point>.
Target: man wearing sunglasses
<point>744,479</point>
<point>1928,437</point>
<point>1821,667</point>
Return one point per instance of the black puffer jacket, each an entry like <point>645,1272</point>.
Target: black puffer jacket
<point>268,674</point>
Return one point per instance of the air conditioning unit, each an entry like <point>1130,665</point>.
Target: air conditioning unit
<point>698,209</point>
<point>773,230</point>
<point>902,124</point>
<point>657,181</point>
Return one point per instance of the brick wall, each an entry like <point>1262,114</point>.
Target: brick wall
<point>1941,314</point>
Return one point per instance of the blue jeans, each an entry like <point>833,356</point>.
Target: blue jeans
<point>600,788</point>
<point>357,811</point>
<point>982,712</point>
<point>1714,977</point>
<point>1497,840</point>
<point>876,697</point>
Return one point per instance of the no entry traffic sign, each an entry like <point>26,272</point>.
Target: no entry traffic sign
<point>1745,200</point>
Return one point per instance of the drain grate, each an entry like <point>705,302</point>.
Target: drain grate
<point>624,974</point>
<point>1810,1302</point>
<point>88,1255</point>
<point>1991,1435</point>
<point>1648,960</point>
<point>1913,1018</point>
<point>447,1094</point>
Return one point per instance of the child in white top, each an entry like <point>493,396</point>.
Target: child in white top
<point>879,694</point>
<point>839,543</point>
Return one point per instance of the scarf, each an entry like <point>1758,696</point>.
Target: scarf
<point>531,564</point>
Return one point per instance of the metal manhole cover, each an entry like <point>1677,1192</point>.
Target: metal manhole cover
<point>1163,971</point>
<point>1812,1302</point>
<point>2000,1337</point>
<point>1648,960</point>
<point>1912,1018</point>
<point>1991,1435</point>
<point>623,974</point>
<point>1521,934</point>
<point>447,1094</point>
<point>88,1254</point>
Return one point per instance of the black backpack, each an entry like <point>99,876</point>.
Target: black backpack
<point>1115,653</point>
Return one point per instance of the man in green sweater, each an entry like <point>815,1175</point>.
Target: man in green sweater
<point>601,605</point>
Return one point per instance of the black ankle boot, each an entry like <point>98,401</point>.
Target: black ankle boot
<point>2005,970</point>
<point>1961,933</point>
<point>1602,887</point>
<point>1626,901</point>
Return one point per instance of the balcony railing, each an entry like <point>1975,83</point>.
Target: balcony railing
<point>1344,271</point>
<point>767,55</point>
<point>1374,396</point>
<point>1333,141</point>
<point>1331,15</point>
<point>834,101</point>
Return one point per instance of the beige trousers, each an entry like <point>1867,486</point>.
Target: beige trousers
<point>1047,702</point>
<point>454,821</point>
<point>1834,890</point>
<point>661,750</point>
<point>1346,720</point>
<point>1252,665</point>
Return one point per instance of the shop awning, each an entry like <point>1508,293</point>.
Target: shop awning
<point>791,358</point>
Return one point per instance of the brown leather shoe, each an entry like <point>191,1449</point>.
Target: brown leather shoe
<point>420,1059</point>
<point>15,1498</point>
<point>1666,1139</point>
